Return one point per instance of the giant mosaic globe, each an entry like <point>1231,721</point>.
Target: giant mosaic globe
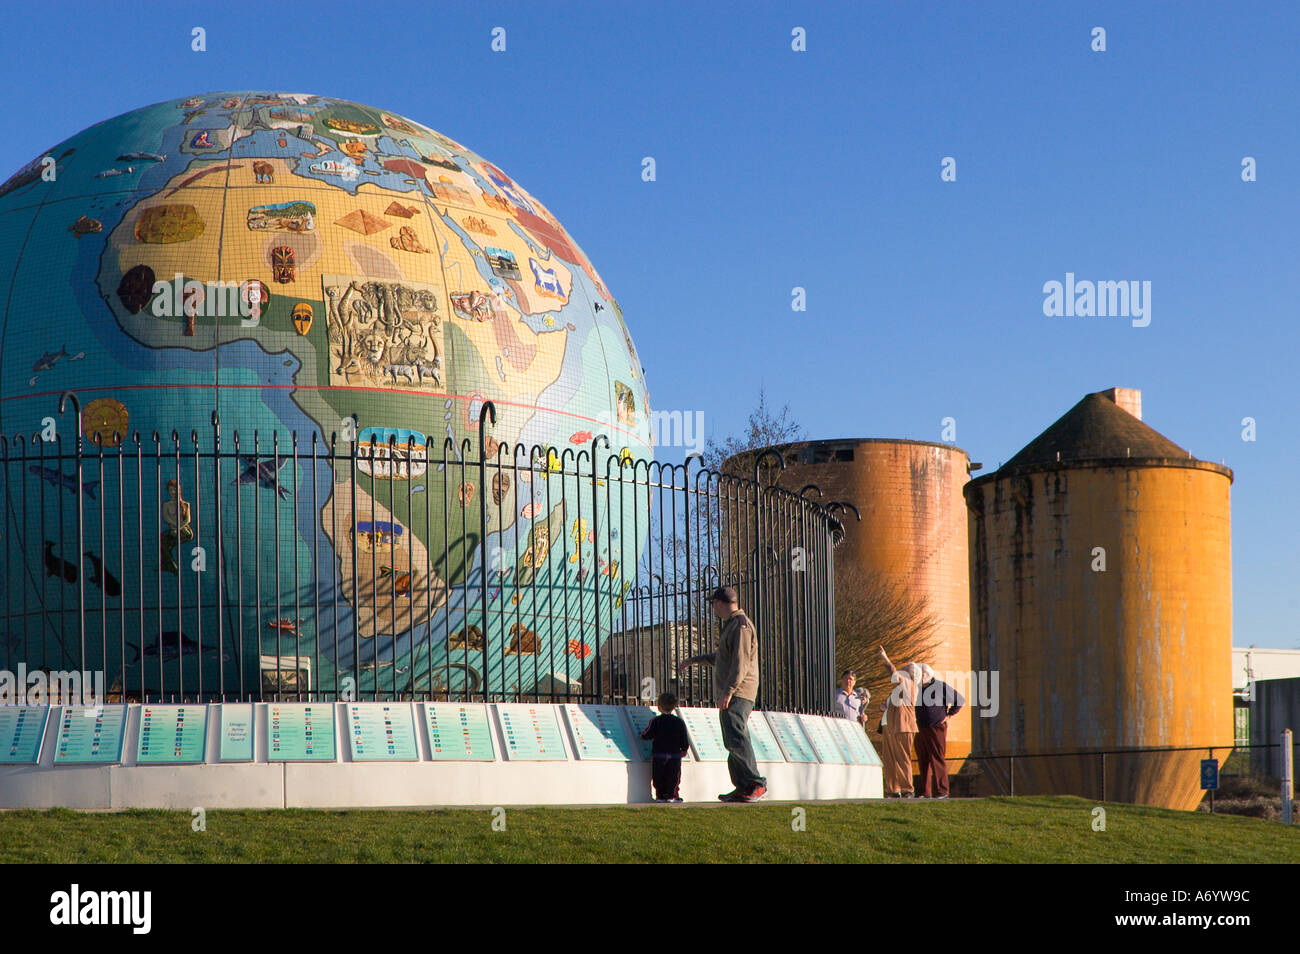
<point>308,277</point>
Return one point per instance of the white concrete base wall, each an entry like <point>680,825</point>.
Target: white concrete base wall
<point>347,784</point>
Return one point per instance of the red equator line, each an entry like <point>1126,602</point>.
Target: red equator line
<point>321,387</point>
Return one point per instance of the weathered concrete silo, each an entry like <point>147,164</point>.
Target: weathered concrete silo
<point>1102,595</point>
<point>913,532</point>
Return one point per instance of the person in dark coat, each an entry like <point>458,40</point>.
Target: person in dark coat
<point>936,702</point>
<point>671,742</point>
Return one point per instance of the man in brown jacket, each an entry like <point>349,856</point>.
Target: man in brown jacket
<point>735,684</point>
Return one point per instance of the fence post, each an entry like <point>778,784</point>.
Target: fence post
<point>595,567</point>
<point>220,557</point>
<point>1287,777</point>
<point>759,616</point>
<point>489,410</point>
<point>66,398</point>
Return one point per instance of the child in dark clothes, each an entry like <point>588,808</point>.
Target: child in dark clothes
<point>670,743</point>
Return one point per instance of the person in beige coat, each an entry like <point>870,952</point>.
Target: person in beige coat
<point>899,728</point>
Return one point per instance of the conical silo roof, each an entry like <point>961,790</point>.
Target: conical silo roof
<point>1096,429</point>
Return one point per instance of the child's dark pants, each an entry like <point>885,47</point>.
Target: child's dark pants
<point>666,772</point>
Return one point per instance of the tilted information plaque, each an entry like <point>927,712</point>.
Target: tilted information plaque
<point>823,742</point>
<point>762,739</point>
<point>532,732</point>
<point>236,740</point>
<point>460,732</point>
<point>172,735</point>
<point>706,733</point>
<point>22,730</point>
<point>300,731</point>
<point>599,733</point>
<point>854,742</point>
<point>789,733</point>
<point>90,734</point>
<point>382,732</point>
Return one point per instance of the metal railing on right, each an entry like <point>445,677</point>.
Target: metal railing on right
<point>1117,774</point>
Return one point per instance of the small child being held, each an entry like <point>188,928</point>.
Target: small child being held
<point>670,743</point>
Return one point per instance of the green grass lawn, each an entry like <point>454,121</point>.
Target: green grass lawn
<point>1030,829</point>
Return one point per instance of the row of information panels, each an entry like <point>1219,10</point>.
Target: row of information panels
<point>386,732</point>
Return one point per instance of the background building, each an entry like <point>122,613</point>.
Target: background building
<point>1250,665</point>
<point>643,659</point>
<point>1274,706</point>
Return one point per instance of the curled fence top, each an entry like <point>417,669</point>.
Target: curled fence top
<point>536,457</point>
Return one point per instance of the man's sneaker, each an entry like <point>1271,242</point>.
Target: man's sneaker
<point>678,801</point>
<point>755,793</point>
<point>732,796</point>
<point>940,796</point>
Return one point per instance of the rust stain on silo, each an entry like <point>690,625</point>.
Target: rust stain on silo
<point>913,532</point>
<point>1135,655</point>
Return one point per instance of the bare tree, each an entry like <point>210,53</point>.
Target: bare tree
<point>734,456</point>
<point>871,611</point>
<point>764,428</point>
<point>703,514</point>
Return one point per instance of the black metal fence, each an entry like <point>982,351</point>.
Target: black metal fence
<point>212,568</point>
<point>1109,774</point>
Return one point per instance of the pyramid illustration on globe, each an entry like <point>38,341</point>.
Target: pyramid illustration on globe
<point>363,222</point>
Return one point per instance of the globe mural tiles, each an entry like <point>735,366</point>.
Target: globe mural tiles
<point>300,266</point>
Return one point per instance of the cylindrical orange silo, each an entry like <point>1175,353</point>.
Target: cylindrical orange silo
<point>912,533</point>
<point>1102,598</point>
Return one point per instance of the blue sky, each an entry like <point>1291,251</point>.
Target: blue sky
<point>820,169</point>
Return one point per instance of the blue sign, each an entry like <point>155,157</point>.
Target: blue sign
<point>90,734</point>
<point>22,730</point>
<point>1209,774</point>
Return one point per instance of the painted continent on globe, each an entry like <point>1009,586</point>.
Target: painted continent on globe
<point>308,266</point>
